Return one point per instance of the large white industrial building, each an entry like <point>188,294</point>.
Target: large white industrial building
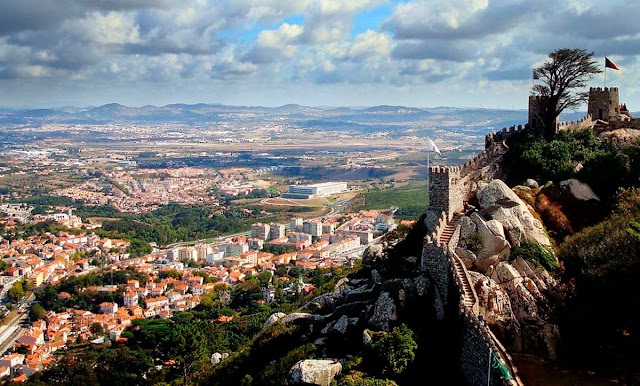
<point>316,190</point>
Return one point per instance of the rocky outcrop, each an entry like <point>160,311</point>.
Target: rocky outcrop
<point>495,246</point>
<point>384,312</point>
<point>301,318</point>
<point>579,190</point>
<point>273,318</point>
<point>314,372</point>
<point>495,308</point>
<point>502,204</point>
<point>216,358</point>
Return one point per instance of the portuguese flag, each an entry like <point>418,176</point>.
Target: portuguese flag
<point>610,64</point>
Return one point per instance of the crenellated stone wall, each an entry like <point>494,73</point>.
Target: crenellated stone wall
<point>450,186</point>
<point>585,122</point>
<point>477,341</point>
<point>603,103</point>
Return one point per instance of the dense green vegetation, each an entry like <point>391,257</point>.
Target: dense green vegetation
<point>605,169</point>
<point>168,224</point>
<point>601,319</point>
<point>175,222</point>
<point>536,253</point>
<point>86,300</point>
<point>137,247</point>
<point>178,350</point>
<point>392,352</point>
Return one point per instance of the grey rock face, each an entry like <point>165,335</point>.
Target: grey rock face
<point>384,312</point>
<point>273,318</point>
<point>341,325</point>
<point>314,372</point>
<point>579,190</point>
<point>505,206</point>
<point>531,183</point>
<point>301,318</point>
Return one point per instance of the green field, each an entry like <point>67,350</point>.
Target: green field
<point>412,200</point>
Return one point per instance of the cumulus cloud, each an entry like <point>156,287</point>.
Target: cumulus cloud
<point>370,43</point>
<point>414,43</point>
<point>464,19</point>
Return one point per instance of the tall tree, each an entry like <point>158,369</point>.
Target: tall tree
<point>566,71</point>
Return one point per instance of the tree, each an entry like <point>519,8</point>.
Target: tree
<point>392,352</point>
<point>16,292</point>
<point>36,312</point>
<point>564,72</point>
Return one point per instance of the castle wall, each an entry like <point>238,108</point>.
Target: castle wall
<point>449,188</point>
<point>575,125</point>
<point>603,103</point>
<point>434,259</point>
<point>537,110</point>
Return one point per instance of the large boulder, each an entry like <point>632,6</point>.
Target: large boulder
<point>495,308</point>
<point>273,318</point>
<point>495,246</point>
<point>373,254</point>
<point>324,303</point>
<point>523,292</point>
<point>384,312</point>
<point>524,296</point>
<point>579,190</point>
<point>301,318</point>
<point>467,257</point>
<point>314,372</point>
<point>542,279</point>
<point>502,204</point>
<point>504,272</point>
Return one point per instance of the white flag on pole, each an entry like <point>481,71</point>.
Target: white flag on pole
<point>431,146</point>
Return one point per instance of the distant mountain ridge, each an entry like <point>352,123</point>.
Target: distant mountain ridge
<point>202,113</point>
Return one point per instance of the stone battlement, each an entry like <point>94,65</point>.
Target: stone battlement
<point>538,97</point>
<point>450,186</point>
<point>434,237</point>
<point>572,125</point>
<point>452,279</point>
<point>606,89</point>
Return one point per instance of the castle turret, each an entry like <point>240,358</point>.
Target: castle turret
<point>603,103</point>
<point>538,105</point>
<point>444,195</point>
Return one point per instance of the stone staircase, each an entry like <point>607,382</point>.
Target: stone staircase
<point>447,233</point>
<point>469,299</point>
<point>445,237</point>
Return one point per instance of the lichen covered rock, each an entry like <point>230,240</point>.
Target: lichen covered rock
<point>502,204</point>
<point>384,312</point>
<point>314,372</point>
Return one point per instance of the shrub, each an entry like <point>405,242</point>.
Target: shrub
<point>599,323</point>
<point>475,242</point>
<point>535,253</point>
<point>358,378</point>
<point>393,352</point>
<point>553,217</point>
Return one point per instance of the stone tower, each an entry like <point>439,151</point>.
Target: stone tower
<point>603,103</point>
<point>537,110</point>
<point>444,193</point>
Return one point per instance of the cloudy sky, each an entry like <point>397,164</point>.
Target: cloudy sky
<point>311,52</point>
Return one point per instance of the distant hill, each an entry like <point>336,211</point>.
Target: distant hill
<point>374,118</point>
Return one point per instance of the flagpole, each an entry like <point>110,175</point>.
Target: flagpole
<point>605,71</point>
<point>428,167</point>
